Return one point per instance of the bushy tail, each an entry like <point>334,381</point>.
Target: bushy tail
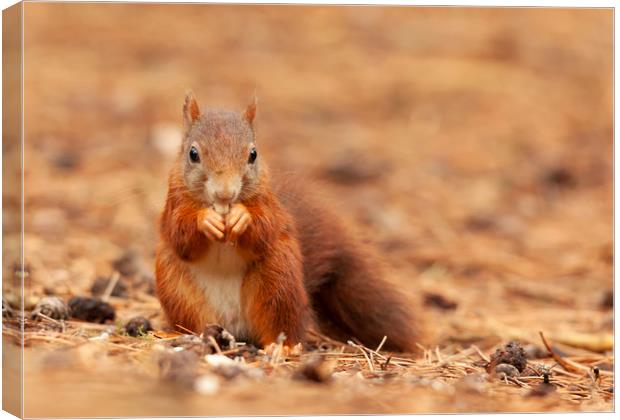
<point>355,302</point>
<point>349,295</point>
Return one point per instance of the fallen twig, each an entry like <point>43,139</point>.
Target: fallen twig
<point>111,284</point>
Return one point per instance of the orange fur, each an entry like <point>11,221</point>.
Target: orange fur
<point>178,222</point>
<point>273,292</point>
<point>182,301</point>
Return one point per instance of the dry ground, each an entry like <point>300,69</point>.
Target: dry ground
<point>472,147</point>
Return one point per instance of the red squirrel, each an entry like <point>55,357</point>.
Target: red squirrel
<point>260,260</point>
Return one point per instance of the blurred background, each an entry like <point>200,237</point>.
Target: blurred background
<point>471,146</point>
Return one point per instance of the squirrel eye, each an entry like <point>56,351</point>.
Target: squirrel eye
<point>193,155</point>
<point>253,155</point>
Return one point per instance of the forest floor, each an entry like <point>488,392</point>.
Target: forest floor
<point>471,147</point>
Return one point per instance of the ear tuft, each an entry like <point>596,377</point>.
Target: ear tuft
<point>191,112</point>
<point>250,111</point>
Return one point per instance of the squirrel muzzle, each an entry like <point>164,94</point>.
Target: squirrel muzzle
<point>222,191</point>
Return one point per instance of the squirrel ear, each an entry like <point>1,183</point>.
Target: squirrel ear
<point>191,112</point>
<point>250,111</point>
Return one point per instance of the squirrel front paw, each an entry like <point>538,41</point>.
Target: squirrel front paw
<point>237,221</point>
<point>211,224</point>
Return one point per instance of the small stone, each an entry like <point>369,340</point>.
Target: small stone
<point>504,370</point>
<point>51,307</point>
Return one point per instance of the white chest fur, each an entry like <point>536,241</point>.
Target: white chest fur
<point>220,275</point>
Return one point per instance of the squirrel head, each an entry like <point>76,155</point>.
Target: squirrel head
<point>219,160</point>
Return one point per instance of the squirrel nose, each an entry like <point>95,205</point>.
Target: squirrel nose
<point>225,196</point>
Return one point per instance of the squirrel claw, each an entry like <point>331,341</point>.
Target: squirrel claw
<point>237,221</point>
<point>211,224</point>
